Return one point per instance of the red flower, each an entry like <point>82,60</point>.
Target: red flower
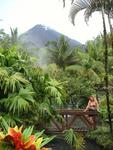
<point>44,148</point>
<point>30,142</point>
<point>32,147</point>
<point>16,138</point>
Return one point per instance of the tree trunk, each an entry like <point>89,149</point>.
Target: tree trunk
<point>111,32</point>
<point>106,70</point>
<point>109,21</point>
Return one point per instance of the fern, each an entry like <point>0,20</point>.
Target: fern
<point>75,139</point>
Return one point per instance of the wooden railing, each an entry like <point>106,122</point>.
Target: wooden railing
<point>76,119</point>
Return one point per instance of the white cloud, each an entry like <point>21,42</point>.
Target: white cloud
<point>25,14</point>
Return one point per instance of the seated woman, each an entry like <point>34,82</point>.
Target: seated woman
<point>92,105</point>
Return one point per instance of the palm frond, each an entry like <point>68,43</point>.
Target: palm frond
<point>3,74</point>
<point>93,76</point>
<point>70,136</point>
<point>27,94</point>
<point>75,68</point>
<point>77,7</point>
<point>10,119</point>
<point>20,102</point>
<point>75,139</point>
<point>15,82</point>
<point>43,108</point>
<point>47,140</point>
<point>88,5</point>
<point>55,89</point>
<point>99,66</point>
<point>94,6</point>
<point>16,104</point>
<point>2,59</point>
<point>61,53</point>
<point>4,124</point>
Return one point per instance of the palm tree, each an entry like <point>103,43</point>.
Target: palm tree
<point>106,66</point>
<point>94,5</point>
<point>14,36</point>
<point>61,53</point>
<point>91,6</point>
<point>109,12</point>
<point>6,41</point>
<point>89,67</point>
<point>95,48</point>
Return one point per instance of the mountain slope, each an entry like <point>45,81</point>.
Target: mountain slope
<point>39,35</point>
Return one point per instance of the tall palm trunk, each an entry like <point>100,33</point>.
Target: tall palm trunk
<point>106,70</point>
<point>109,21</point>
<point>111,31</point>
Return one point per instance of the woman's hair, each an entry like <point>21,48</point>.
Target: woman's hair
<point>91,98</point>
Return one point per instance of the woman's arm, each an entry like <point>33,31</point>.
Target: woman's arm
<point>87,106</point>
<point>97,104</point>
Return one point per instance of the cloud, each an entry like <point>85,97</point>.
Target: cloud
<point>25,14</point>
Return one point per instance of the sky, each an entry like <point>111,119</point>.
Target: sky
<point>25,14</point>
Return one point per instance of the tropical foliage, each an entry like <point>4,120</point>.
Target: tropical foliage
<point>31,95</point>
<point>102,137</point>
<point>90,6</point>
<point>16,139</point>
<point>24,88</point>
<point>61,53</point>
<point>75,139</point>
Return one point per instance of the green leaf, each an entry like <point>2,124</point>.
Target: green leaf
<point>4,125</point>
<point>70,136</point>
<point>27,132</point>
<point>47,140</point>
<point>38,134</point>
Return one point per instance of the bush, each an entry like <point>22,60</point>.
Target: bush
<point>102,137</point>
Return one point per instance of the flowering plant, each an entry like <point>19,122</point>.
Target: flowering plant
<point>15,139</point>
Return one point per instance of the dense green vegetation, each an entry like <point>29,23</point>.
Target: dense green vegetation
<point>105,7</point>
<point>31,95</point>
<point>102,137</point>
<point>24,88</point>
